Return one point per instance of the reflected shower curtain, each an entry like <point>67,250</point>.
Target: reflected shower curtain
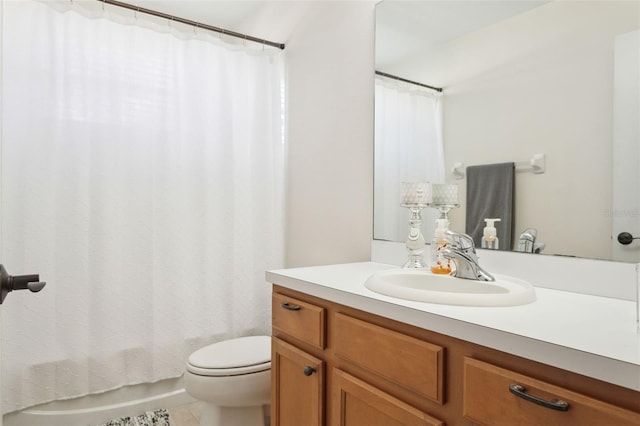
<point>408,147</point>
<point>142,174</point>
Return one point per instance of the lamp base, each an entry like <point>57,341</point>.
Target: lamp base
<point>415,240</point>
<point>415,262</point>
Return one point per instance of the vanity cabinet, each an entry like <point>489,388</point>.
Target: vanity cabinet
<point>338,366</point>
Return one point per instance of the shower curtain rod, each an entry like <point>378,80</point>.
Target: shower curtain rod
<point>193,23</point>
<point>395,77</point>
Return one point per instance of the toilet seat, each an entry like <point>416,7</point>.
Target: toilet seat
<point>244,355</point>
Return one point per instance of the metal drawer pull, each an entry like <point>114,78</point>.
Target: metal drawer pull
<point>288,306</point>
<point>554,404</point>
<point>308,370</point>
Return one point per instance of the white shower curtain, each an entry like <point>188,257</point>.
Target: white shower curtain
<point>143,180</point>
<point>408,147</point>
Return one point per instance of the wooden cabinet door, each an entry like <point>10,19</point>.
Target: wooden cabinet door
<point>356,403</point>
<point>297,386</point>
<point>405,361</point>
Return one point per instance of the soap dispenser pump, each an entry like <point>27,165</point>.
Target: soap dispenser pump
<point>440,264</point>
<point>490,235</point>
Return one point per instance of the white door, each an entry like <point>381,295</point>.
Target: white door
<point>626,147</point>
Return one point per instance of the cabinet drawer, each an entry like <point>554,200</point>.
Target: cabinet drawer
<point>298,319</point>
<point>488,400</point>
<point>357,403</point>
<point>403,360</point>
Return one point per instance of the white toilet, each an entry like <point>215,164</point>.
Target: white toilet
<point>232,379</point>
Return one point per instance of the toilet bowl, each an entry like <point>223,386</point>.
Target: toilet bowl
<point>232,380</point>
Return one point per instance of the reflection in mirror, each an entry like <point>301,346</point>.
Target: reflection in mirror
<point>519,78</point>
<point>412,114</point>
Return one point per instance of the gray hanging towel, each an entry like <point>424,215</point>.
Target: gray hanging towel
<point>490,194</point>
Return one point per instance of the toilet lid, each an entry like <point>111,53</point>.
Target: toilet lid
<point>244,355</point>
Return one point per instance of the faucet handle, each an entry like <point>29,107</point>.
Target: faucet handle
<point>461,241</point>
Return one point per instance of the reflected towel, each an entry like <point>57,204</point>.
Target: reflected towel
<point>490,195</point>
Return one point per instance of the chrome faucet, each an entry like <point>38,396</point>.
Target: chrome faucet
<point>462,251</point>
<point>527,240</point>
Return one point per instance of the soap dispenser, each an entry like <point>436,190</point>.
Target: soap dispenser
<point>490,235</point>
<point>440,264</point>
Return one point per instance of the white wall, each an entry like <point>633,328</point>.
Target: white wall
<point>330,56</point>
<point>543,79</point>
<point>330,61</point>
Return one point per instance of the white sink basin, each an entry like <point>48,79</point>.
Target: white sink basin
<point>422,286</point>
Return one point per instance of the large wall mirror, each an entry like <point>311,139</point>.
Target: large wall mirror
<point>520,78</point>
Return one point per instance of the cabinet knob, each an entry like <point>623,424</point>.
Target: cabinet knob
<point>554,404</point>
<point>308,370</point>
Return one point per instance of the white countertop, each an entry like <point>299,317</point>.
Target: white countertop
<point>590,335</point>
